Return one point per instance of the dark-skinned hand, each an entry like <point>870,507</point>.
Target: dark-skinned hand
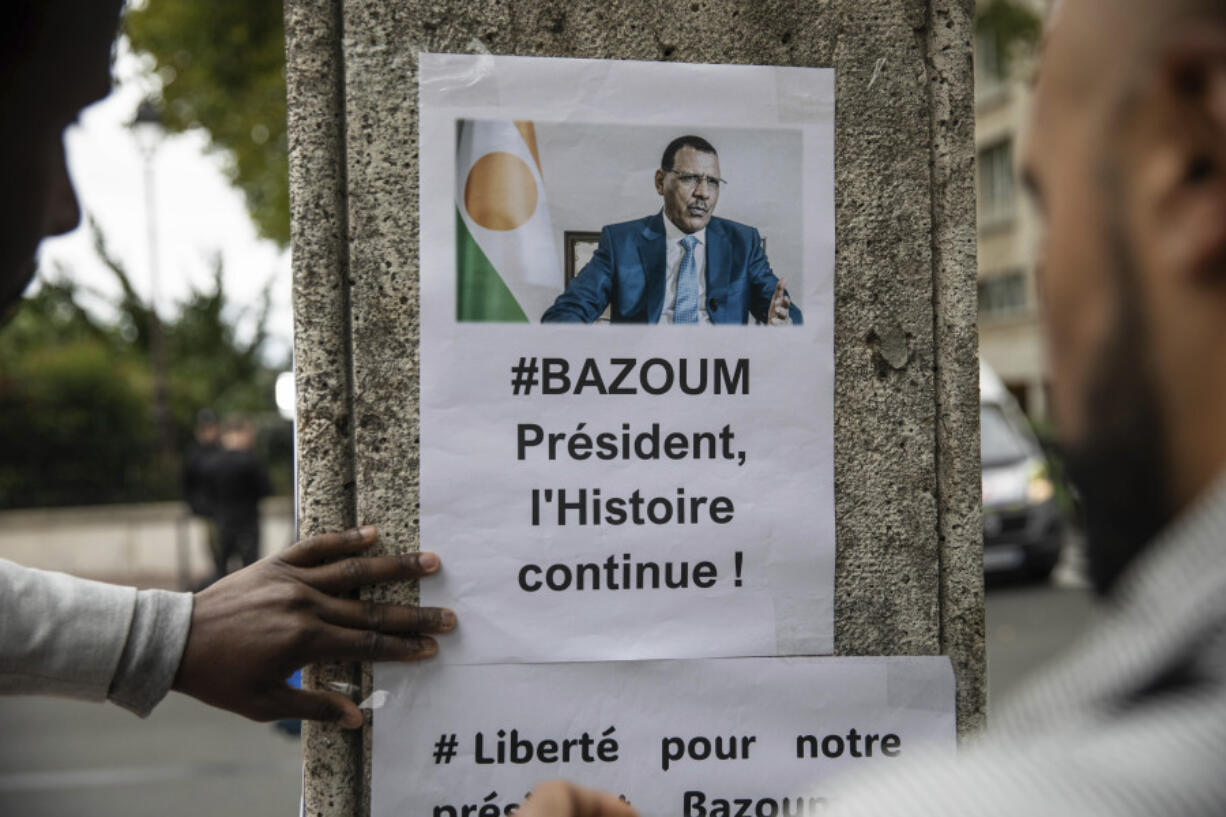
<point>251,630</point>
<point>558,798</point>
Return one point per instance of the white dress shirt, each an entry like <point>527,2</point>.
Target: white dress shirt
<point>672,263</point>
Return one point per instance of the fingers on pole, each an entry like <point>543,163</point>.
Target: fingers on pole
<point>325,547</point>
<point>352,573</point>
<point>385,618</point>
<point>316,705</point>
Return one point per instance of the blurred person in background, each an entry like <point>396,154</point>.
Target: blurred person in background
<point>1126,162</point>
<point>196,462</point>
<point>236,482</point>
<point>233,644</point>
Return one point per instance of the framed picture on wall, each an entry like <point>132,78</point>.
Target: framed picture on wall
<point>580,246</point>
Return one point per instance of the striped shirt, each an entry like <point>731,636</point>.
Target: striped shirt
<point>1131,722</point>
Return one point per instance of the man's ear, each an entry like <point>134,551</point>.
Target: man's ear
<point>1190,180</point>
<point>660,181</point>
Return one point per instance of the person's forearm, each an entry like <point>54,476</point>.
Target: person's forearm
<point>62,635</point>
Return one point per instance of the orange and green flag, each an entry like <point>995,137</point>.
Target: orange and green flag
<point>507,264</point>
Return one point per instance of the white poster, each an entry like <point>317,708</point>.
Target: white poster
<point>685,738</point>
<point>627,357</point>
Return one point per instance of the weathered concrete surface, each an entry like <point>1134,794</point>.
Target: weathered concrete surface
<point>322,369</point>
<point>956,336</point>
<point>908,575</point>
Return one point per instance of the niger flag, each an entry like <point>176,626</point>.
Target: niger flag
<point>507,265</point>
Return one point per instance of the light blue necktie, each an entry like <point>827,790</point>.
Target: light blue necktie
<point>686,308</point>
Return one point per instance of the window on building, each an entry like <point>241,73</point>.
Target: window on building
<point>1003,294</point>
<point>989,67</point>
<point>996,191</point>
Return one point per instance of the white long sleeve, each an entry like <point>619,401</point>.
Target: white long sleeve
<point>61,635</point>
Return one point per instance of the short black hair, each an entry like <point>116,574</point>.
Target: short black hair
<point>42,43</point>
<point>689,141</point>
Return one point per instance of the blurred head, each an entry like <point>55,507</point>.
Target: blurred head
<point>54,60</point>
<point>1126,160</point>
<point>208,430</point>
<point>688,181</point>
<point>237,433</point>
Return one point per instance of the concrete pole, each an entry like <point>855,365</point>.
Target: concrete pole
<point>909,566</point>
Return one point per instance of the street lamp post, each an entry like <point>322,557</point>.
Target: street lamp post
<point>147,129</point>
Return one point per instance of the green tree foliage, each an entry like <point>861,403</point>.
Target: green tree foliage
<point>76,394</point>
<point>222,67</point>
<point>207,363</point>
<point>1013,27</point>
<point>75,420</point>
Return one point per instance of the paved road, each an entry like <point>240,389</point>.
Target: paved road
<point>1026,626</point>
<point>61,758</point>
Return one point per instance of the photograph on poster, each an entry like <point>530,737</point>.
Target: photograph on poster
<point>563,222</point>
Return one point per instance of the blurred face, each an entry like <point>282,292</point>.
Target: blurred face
<point>1105,397</point>
<point>208,433</point>
<point>238,439</point>
<point>41,99</point>
<point>689,199</point>
<point>1060,168</point>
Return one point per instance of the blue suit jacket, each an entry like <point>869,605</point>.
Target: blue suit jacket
<point>628,271</point>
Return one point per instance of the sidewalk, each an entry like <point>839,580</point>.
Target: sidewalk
<point>150,545</point>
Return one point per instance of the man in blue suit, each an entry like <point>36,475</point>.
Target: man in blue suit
<point>681,265</point>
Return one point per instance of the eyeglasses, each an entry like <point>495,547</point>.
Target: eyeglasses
<point>692,180</point>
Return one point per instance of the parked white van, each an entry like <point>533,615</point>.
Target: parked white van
<point>1023,525</point>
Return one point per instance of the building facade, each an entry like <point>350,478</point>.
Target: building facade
<point>1010,337</point>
